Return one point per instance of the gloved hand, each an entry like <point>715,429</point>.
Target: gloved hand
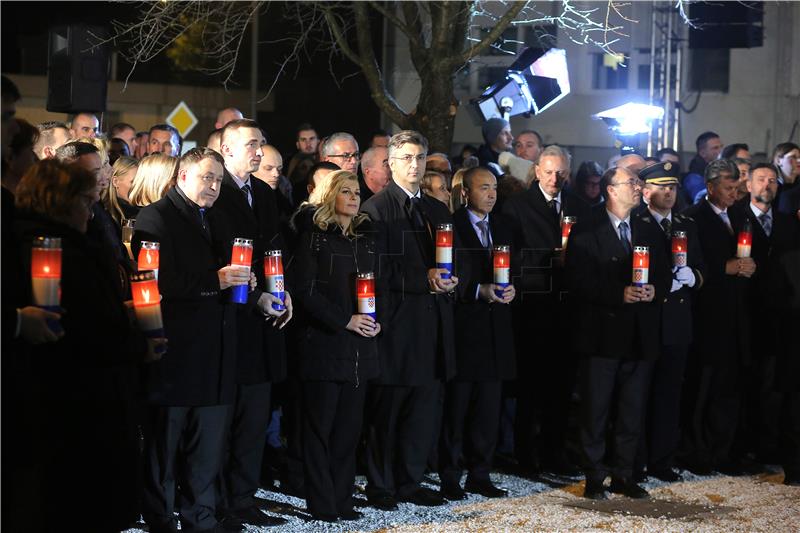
<point>676,285</point>
<point>686,276</point>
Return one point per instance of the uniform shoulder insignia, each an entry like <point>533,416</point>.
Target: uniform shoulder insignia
<point>645,219</point>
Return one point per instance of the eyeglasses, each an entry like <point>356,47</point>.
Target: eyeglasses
<point>347,155</point>
<point>408,158</point>
<point>632,183</point>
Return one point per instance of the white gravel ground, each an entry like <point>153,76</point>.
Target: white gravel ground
<point>761,504</point>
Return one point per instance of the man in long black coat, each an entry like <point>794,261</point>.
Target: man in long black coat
<point>721,325</point>
<point>250,208</point>
<point>662,416</point>
<point>484,345</point>
<point>617,327</point>
<point>774,235</point>
<point>417,350</point>
<point>545,381</point>
<point>190,390</point>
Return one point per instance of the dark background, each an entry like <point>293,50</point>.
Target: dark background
<point>305,94</point>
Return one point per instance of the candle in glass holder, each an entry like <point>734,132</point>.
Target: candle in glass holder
<point>641,265</point>
<point>148,257</point>
<point>147,303</point>
<point>365,293</point>
<point>501,259</point>
<point>566,227</point>
<point>745,241</point>
<point>127,234</point>
<point>444,249</point>
<point>46,272</point>
<point>273,271</point>
<point>242,255</point>
<point>679,248</point>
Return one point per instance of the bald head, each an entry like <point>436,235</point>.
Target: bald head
<point>84,125</point>
<point>271,166</point>
<point>228,114</point>
<point>632,162</point>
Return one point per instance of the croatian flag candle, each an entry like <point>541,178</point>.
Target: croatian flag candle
<point>679,247</point>
<point>46,272</point>
<point>641,265</point>
<point>148,257</point>
<point>745,241</point>
<point>501,258</point>
<point>242,255</point>
<point>444,249</point>
<point>273,270</point>
<point>147,303</point>
<point>365,293</point>
<point>566,228</point>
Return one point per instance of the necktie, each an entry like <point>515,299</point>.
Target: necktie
<point>624,236</point>
<point>724,216</point>
<point>766,223</point>
<point>416,215</point>
<point>667,225</point>
<point>553,205</point>
<point>484,227</point>
<point>247,194</point>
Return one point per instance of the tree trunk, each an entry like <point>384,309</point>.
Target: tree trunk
<point>435,115</point>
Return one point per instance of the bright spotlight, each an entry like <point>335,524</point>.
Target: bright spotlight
<point>630,118</point>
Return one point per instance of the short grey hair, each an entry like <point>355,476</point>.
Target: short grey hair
<point>73,150</point>
<point>554,150</point>
<point>327,144</point>
<point>370,158</point>
<point>407,137</point>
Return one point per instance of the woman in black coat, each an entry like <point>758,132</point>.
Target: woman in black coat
<point>338,349</point>
<point>83,415</point>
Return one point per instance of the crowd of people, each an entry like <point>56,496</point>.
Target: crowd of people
<point>403,312</point>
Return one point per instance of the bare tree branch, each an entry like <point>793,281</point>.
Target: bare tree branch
<point>492,36</point>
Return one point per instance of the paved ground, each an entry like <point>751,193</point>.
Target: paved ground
<point>698,504</point>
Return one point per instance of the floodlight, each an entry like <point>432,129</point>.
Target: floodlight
<point>534,82</point>
<point>630,118</point>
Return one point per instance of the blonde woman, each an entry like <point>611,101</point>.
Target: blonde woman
<point>457,199</point>
<point>154,177</point>
<point>338,351</point>
<point>104,178</point>
<point>115,198</point>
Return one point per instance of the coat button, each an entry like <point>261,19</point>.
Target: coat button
<point>665,300</point>
<point>681,300</point>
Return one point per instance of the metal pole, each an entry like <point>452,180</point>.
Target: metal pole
<point>668,76</point>
<point>678,79</point>
<point>652,71</point>
<point>254,68</point>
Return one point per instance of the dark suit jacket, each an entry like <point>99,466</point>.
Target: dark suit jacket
<point>417,343</point>
<point>764,292</point>
<point>261,349</point>
<point>676,312</point>
<point>537,234</point>
<point>598,269</point>
<point>199,366</point>
<point>485,339</point>
<point>722,327</point>
<point>324,269</point>
<point>789,201</point>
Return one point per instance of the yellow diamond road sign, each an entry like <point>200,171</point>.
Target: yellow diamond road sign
<point>182,119</point>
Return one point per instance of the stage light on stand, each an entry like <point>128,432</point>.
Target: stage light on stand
<point>629,121</point>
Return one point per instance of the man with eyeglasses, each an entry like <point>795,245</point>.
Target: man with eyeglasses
<point>341,149</point>
<point>661,433</point>
<point>546,371</point>
<point>250,207</point>
<point>189,392</point>
<point>616,328</point>
<point>418,352</point>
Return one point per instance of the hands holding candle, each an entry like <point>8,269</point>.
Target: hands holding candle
<point>233,275</point>
<point>493,293</point>
<point>634,294</point>
<point>439,284</point>
<point>34,325</point>
<point>268,304</point>
<point>740,266</point>
<point>363,325</point>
